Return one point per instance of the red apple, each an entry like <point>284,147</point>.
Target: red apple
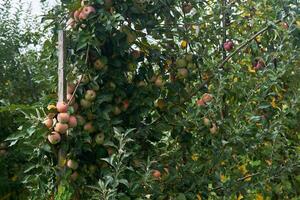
<point>99,138</point>
<point>285,25</point>
<point>63,117</point>
<point>74,176</point>
<point>86,11</point>
<point>207,97</point>
<point>54,138</point>
<point>72,164</point>
<point>76,15</point>
<point>61,128</point>
<point>85,103</point>
<point>228,46</point>
<point>88,127</point>
<point>48,122</point>
<point>200,102</point>
<point>62,107</point>
<point>90,95</point>
<point>259,64</point>
<point>72,121</point>
<point>125,105</point>
<point>156,174</point>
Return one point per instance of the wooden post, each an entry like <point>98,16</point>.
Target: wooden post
<point>62,92</point>
<point>61,66</point>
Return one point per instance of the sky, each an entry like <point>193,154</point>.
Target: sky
<point>36,5</point>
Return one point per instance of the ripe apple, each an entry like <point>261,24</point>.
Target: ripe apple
<point>72,121</point>
<point>61,128</point>
<point>207,97</point>
<point>63,117</point>
<point>80,120</point>
<point>48,122</point>
<point>259,64</point>
<point>285,25</point>
<point>70,88</point>
<point>213,129</point>
<point>187,7</point>
<point>182,73</point>
<point>72,164</point>
<point>74,176</point>
<point>206,122</point>
<point>54,138</point>
<point>228,46</point>
<point>86,11</point>
<point>125,105</point>
<point>85,103</point>
<point>136,54</point>
<point>181,63</point>
<point>99,138</point>
<point>90,95</point>
<point>76,15</point>
<point>156,174</point>
<point>200,102</point>
<point>159,81</point>
<point>62,107</point>
<point>88,127</point>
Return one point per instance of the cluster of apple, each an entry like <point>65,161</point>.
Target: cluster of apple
<point>206,98</point>
<point>183,64</point>
<point>81,14</point>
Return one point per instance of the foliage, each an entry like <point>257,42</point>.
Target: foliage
<point>213,128</point>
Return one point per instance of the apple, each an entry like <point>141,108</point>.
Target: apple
<point>207,97</point>
<point>85,103</point>
<point>74,176</point>
<point>189,57</point>
<point>85,79</point>
<point>72,121</point>
<point>285,25</point>
<point>136,54</point>
<point>156,174</point>
<point>206,122</point>
<point>62,107</point>
<point>80,120</point>
<point>125,105</point>
<point>181,63</point>
<point>48,123</point>
<point>213,129</point>
<point>75,107</point>
<point>141,84</point>
<point>117,110</point>
<point>259,64</point>
<point>160,103</point>
<point>99,138</point>
<point>182,73</point>
<point>86,11</point>
<point>110,151</point>
<point>71,88</point>
<point>54,138</point>
<point>63,117</point>
<point>200,102</point>
<point>159,81</point>
<point>61,128</point>
<point>100,63</point>
<point>187,7</point>
<point>72,164</point>
<point>228,46</point>
<point>90,95</point>
<point>2,152</point>
<point>88,127</point>
<point>76,15</point>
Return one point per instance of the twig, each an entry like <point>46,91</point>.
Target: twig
<point>248,176</point>
<point>76,87</point>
